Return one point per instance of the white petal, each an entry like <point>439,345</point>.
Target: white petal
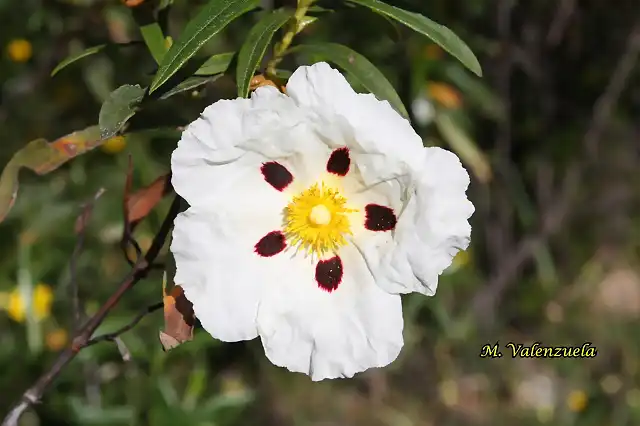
<point>377,131</point>
<point>329,335</point>
<point>213,147</point>
<point>214,250</point>
<point>424,186</point>
<point>432,227</point>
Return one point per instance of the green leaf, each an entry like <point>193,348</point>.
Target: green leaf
<point>76,57</point>
<point>151,31</point>
<point>216,64</point>
<point>43,157</point>
<point>440,34</point>
<point>216,15</point>
<point>255,45</point>
<point>155,41</point>
<point>118,108</point>
<point>463,145</point>
<point>190,84</point>
<point>477,93</point>
<point>359,67</point>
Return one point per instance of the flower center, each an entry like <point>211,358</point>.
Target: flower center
<point>319,215</point>
<point>316,220</point>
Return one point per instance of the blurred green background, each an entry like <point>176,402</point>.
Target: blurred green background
<point>547,264</point>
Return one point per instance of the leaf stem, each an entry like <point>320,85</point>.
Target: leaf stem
<point>294,27</point>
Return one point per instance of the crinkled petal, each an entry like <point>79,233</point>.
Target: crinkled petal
<point>377,133</point>
<point>329,335</point>
<point>214,250</point>
<point>217,145</point>
<point>424,186</point>
<point>432,227</point>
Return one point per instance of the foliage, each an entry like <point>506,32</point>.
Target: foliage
<point>132,74</point>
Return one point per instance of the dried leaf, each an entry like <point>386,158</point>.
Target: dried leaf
<point>179,319</point>
<point>259,81</point>
<point>133,3</point>
<point>140,203</point>
<point>43,157</point>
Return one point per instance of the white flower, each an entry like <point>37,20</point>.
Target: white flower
<point>309,215</point>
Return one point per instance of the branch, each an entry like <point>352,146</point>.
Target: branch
<point>110,337</point>
<point>553,218</point>
<point>80,228</point>
<point>83,336</point>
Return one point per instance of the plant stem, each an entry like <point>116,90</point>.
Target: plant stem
<point>294,26</point>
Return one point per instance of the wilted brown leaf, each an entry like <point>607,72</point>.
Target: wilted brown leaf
<point>140,203</point>
<point>43,157</point>
<point>179,319</point>
<point>259,81</point>
<point>133,3</point>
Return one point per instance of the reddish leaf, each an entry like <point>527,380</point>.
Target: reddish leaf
<point>140,203</point>
<point>43,157</point>
<point>179,319</point>
<point>133,3</point>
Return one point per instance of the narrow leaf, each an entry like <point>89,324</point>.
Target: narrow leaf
<point>118,108</point>
<point>155,41</point>
<point>464,146</point>
<point>190,84</point>
<point>140,203</point>
<point>216,15</point>
<point>255,45</point>
<point>440,34</point>
<point>151,31</point>
<point>359,67</point>
<point>76,57</point>
<point>43,157</point>
<point>477,93</point>
<point>216,64</point>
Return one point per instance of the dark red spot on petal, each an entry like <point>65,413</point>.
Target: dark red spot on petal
<point>271,244</point>
<point>276,175</point>
<point>379,218</point>
<point>339,162</point>
<point>329,273</point>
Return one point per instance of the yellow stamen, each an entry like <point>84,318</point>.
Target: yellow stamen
<point>316,220</point>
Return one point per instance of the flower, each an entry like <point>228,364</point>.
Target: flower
<point>19,50</point>
<point>41,300</point>
<point>577,401</point>
<point>310,213</point>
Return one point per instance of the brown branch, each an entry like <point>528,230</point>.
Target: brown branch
<point>80,229</point>
<point>560,21</point>
<point>83,336</point>
<point>553,218</point>
<point>110,337</point>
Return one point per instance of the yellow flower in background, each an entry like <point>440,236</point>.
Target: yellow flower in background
<point>577,401</point>
<point>19,50</point>
<point>42,298</point>
<point>433,52</point>
<point>114,145</point>
<point>445,95</point>
<point>56,339</point>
